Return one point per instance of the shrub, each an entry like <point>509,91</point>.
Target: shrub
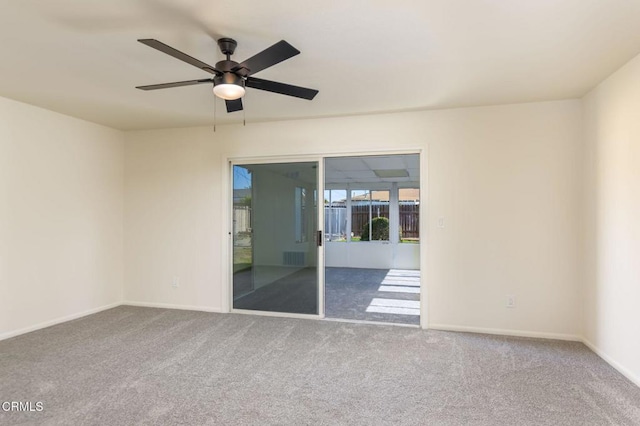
<point>379,230</point>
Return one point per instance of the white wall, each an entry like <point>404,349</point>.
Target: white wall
<point>506,179</point>
<point>61,206</point>
<point>372,254</point>
<point>357,254</point>
<point>612,225</point>
<point>172,218</point>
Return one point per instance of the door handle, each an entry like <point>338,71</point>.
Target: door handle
<point>319,241</point>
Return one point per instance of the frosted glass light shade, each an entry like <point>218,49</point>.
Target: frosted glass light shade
<point>228,92</point>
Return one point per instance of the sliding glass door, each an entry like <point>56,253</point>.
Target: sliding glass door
<point>275,238</point>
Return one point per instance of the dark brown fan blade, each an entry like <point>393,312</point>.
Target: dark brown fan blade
<point>270,56</point>
<point>283,89</point>
<point>176,84</point>
<point>158,45</point>
<point>233,106</point>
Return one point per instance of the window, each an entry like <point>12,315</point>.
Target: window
<point>409,213</point>
<point>335,215</point>
<point>369,215</point>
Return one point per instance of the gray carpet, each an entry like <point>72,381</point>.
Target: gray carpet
<point>349,291</point>
<point>155,366</point>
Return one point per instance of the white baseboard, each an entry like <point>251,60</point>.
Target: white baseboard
<point>623,370</point>
<point>56,321</point>
<point>171,306</point>
<point>556,336</point>
<point>506,332</point>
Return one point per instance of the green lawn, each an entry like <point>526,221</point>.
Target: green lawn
<point>237,267</point>
<point>242,258</point>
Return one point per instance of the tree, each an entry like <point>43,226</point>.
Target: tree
<point>379,230</point>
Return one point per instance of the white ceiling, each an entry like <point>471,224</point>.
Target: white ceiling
<point>81,57</point>
<point>343,172</point>
<point>347,172</point>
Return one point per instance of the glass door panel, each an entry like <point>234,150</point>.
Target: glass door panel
<point>275,251</point>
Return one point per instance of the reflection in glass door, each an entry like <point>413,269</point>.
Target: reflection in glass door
<point>275,252</point>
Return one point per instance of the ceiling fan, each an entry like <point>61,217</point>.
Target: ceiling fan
<point>230,77</point>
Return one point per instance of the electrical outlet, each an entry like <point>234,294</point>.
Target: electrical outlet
<point>176,282</point>
<point>511,301</point>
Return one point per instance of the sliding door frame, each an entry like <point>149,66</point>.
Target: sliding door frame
<point>227,250</point>
<point>319,218</point>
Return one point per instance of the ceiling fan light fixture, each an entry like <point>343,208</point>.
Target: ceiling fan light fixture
<point>229,92</point>
<point>230,77</point>
<point>228,86</point>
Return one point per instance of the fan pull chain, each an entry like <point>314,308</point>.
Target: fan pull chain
<point>214,113</point>
<point>244,110</point>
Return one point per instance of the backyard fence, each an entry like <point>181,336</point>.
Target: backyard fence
<point>335,219</point>
<point>360,215</point>
<point>241,219</point>
<point>335,223</point>
<point>410,220</point>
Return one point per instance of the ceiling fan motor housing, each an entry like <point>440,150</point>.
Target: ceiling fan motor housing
<point>228,78</point>
<point>226,66</point>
